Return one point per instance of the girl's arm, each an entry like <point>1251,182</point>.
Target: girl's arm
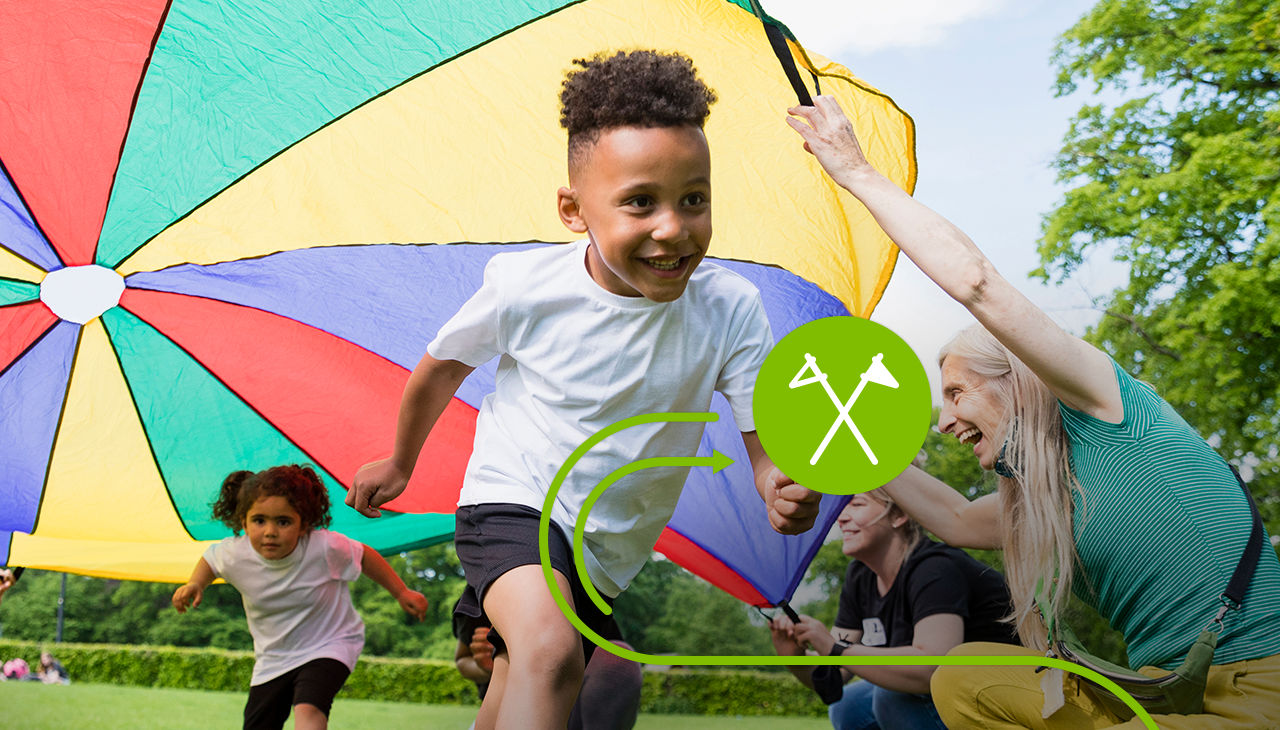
<point>792,508</point>
<point>430,388</point>
<point>933,636</point>
<point>947,513</point>
<point>376,567</point>
<point>192,593</point>
<point>1078,374</point>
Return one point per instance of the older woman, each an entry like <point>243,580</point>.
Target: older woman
<point>903,595</point>
<point>1104,489</point>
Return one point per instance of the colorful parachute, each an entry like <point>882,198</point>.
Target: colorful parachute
<point>228,230</point>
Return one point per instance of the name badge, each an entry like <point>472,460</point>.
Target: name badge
<point>873,632</point>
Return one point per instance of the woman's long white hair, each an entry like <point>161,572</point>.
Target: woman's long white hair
<point>1037,499</point>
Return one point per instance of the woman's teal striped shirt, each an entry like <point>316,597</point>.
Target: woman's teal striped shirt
<point>1159,531</point>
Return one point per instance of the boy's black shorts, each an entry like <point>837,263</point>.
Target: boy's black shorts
<point>492,539</point>
<point>313,683</point>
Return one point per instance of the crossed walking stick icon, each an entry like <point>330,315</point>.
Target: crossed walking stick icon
<point>877,373</point>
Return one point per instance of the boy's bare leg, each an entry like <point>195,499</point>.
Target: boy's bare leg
<point>544,650</point>
<point>487,718</point>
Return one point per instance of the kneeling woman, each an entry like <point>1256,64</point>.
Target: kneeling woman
<point>1105,491</point>
<point>903,595</point>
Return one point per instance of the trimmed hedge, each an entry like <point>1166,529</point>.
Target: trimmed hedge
<point>727,693</point>
<point>413,680</point>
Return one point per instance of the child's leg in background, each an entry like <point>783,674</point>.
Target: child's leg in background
<point>309,717</point>
<point>307,690</point>
<point>544,652</point>
<point>610,696</point>
<point>315,684</point>
<point>268,705</point>
<point>491,705</point>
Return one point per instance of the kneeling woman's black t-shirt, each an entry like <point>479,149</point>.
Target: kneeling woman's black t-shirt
<point>935,579</point>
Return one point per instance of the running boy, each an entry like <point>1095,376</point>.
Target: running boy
<point>621,323</point>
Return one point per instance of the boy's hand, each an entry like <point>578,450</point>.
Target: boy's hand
<point>188,595</point>
<point>829,137</point>
<point>374,485</point>
<point>413,603</point>
<point>792,508</point>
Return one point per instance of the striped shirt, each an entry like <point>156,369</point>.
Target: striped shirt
<point>1159,531</point>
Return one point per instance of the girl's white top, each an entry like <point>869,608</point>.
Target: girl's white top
<point>299,607</point>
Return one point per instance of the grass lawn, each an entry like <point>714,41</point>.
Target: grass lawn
<point>35,706</point>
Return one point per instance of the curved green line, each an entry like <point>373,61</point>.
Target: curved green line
<point>544,521</point>
<point>544,533</point>
<point>580,527</point>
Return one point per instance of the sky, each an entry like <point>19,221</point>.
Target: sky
<point>976,77</point>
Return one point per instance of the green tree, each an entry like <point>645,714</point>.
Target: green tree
<point>435,573</point>
<point>825,577</point>
<point>1181,182</point>
<point>668,610</point>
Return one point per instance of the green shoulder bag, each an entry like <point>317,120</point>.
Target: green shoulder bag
<point>1180,692</point>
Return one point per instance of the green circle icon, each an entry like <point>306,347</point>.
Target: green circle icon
<point>842,405</point>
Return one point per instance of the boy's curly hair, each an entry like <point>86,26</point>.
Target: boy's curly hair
<point>298,484</point>
<point>631,89</point>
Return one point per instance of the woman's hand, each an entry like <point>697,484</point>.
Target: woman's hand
<point>811,631</point>
<point>829,136</point>
<point>782,631</point>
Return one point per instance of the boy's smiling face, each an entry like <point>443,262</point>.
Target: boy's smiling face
<point>643,196</point>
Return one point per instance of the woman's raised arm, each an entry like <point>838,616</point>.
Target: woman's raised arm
<point>1077,373</point>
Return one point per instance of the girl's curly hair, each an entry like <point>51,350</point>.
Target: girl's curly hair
<point>631,89</point>
<point>298,484</point>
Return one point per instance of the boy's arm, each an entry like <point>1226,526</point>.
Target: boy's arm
<point>792,508</point>
<point>376,567</point>
<point>192,593</point>
<point>475,659</point>
<point>430,388</point>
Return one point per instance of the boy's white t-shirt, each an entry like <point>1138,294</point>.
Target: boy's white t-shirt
<point>574,359</point>
<point>299,608</point>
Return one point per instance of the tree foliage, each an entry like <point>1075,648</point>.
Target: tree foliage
<point>1181,182</point>
<point>668,610</point>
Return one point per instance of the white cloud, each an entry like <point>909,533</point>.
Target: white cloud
<point>836,27</point>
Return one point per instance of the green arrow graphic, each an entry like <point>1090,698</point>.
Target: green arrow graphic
<point>716,461</point>
<point>719,461</point>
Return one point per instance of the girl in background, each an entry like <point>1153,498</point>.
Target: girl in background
<point>292,574</point>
